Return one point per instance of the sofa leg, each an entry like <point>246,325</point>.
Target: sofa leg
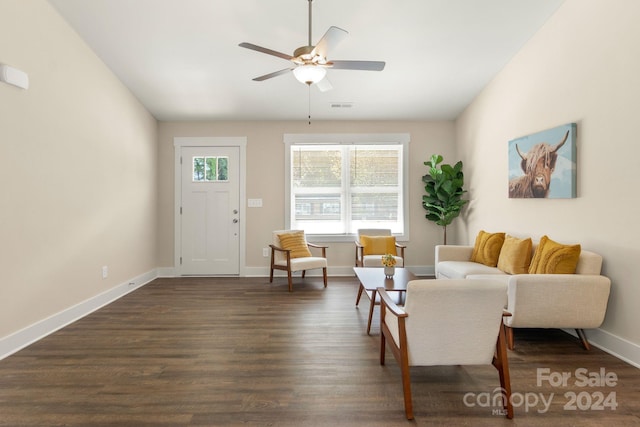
<point>510,341</point>
<point>583,339</point>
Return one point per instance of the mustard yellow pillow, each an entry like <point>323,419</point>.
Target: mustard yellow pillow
<point>554,258</point>
<point>487,248</point>
<point>296,243</point>
<point>378,245</point>
<point>515,255</point>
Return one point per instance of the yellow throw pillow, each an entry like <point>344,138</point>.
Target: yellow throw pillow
<point>296,243</point>
<point>554,258</point>
<point>378,245</point>
<point>515,255</point>
<point>487,248</point>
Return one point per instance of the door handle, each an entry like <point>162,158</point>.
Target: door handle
<point>235,220</point>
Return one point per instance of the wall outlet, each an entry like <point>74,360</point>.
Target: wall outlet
<point>265,252</point>
<point>105,272</point>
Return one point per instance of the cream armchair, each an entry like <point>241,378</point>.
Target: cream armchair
<point>447,322</point>
<point>373,243</point>
<point>290,252</point>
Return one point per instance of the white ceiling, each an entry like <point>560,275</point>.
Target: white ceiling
<point>181,58</point>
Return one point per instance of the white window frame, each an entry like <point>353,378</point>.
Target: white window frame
<point>349,139</point>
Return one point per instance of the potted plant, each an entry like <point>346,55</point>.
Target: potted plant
<point>443,185</point>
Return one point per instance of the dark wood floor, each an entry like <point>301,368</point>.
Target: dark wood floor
<point>205,352</point>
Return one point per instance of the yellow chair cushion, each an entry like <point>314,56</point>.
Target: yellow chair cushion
<point>296,243</point>
<point>515,255</point>
<point>378,245</point>
<point>486,249</point>
<point>554,258</point>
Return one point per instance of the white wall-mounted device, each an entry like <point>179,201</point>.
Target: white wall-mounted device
<point>13,76</point>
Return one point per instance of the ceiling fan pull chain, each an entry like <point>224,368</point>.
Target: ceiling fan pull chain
<point>309,87</point>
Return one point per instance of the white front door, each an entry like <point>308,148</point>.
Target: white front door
<point>210,211</point>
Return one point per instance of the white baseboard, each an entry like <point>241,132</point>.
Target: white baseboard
<point>166,272</point>
<point>24,337</point>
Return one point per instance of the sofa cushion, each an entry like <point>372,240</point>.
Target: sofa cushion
<point>515,255</point>
<point>461,269</point>
<point>487,248</point>
<point>554,258</point>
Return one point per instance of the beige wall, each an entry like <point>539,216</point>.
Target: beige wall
<point>78,167</point>
<point>265,180</point>
<point>583,67</point>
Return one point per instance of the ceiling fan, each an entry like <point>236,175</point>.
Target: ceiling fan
<point>310,62</point>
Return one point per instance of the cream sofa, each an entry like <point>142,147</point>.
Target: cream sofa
<point>574,301</point>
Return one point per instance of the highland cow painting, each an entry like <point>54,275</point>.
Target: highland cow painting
<point>543,165</point>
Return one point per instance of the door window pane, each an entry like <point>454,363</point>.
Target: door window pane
<point>223,169</point>
<point>198,169</point>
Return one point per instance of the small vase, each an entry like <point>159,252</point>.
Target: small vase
<point>389,272</point>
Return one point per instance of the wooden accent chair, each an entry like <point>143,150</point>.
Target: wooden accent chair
<point>373,243</point>
<point>447,322</point>
<point>290,252</point>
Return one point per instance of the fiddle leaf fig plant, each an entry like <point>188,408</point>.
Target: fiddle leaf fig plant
<point>444,186</point>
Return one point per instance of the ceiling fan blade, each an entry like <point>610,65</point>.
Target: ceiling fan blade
<point>265,50</point>
<point>358,65</point>
<point>324,85</point>
<point>271,75</point>
<point>330,40</point>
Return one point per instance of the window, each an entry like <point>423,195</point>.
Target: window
<point>209,169</point>
<point>339,183</point>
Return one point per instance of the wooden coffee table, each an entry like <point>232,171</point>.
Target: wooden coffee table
<point>372,278</point>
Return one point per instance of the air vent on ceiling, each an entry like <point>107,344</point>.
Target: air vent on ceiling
<point>341,104</point>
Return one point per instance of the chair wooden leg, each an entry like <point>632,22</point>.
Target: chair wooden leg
<point>304,273</point>
<point>324,276</point>
<point>501,362</point>
<point>290,280</point>
<point>583,339</point>
<point>383,344</point>
<point>406,384</point>
<point>271,276</point>
<point>510,340</point>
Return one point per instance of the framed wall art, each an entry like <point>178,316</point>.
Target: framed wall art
<point>543,165</point>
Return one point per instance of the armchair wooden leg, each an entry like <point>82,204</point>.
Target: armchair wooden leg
<point>510,340</point>
<point>406,387</point>
<point>583,339</point>
<point>501,362</point>
<point>271,275</point>
<point>290,280</point>
<point>324,276</point>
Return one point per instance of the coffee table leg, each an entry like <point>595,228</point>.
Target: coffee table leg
<point>373,303</point>
<point>360,289</point>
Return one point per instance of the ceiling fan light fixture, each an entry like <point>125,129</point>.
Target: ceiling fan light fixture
<point>309,74</point>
